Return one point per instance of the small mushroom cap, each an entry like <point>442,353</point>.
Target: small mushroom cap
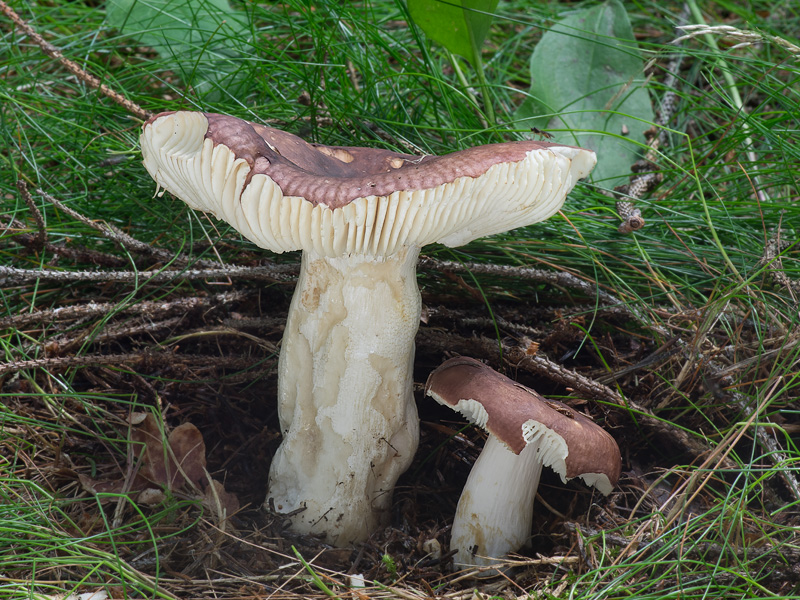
<point>570,443</point>
<point>283,193</point>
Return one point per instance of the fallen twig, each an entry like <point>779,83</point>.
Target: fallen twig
<point>130,358</point>
<point>150,309</point>
<point>766,440</point>
<point>67,342</point>
<point>12,229</point>
<point>556,278</point>
<point>126,241</point>
<point>87,78</point>
<point>272,273</point>
<point>645,178</point>
<point>41,236</point>
<point>64,362</point>
<point>771,258</point>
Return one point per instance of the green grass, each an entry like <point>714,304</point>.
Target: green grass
<point>694,273</point>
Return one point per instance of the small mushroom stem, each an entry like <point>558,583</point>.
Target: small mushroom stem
<point>345,393</point>
<point>500,490</point>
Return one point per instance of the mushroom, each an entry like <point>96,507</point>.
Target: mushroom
<point>360,216</point>
<point>526,432</point>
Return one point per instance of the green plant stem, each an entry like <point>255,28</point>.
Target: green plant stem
<point>730,87</point>
<point>487,101</point>
<point>487,115</point>
<point>723,65</point>
<point>317,581</point>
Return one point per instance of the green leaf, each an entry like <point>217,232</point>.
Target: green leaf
<point>458,25</point>
<point>203,41</point>
<point>587,77</point>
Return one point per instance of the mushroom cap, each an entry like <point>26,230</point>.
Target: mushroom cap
<point>283,193</point>
<point>570,443</point>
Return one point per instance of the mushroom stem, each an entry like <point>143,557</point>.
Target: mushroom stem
<point>500,488</point>
<point>345,393</point>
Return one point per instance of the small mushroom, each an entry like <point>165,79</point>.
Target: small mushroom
<point>360,216</point>
<point>526,432</point>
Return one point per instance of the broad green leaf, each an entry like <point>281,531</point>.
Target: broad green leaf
<point>587,77</point>
<point>458,25</point>
<point>204,41</point>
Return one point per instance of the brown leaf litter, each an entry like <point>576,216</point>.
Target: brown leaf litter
<point>165,464</point>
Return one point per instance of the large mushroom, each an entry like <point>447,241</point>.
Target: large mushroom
<point>360,216</point>
<point>526,432</point>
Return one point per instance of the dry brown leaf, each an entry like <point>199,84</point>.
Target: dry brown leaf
<point>189,451</point>
<point>222,503</point>
<point>178,465</point>
<point>157,465</point>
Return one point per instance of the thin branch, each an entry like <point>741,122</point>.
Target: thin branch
<point>89,79</point>
<point>646,176</point>
<point>772,258</point>
<point>150,309</point>
<point>68,342</point>
<point>585,385</point>
<point>555,278</point>
<point>63,362</point>
<point>147,357</point>
<point>79,254</point>
<point>126,241</point>
<point>766,440</point>
<point>270,273</point>
<point>41,236</point>
<point>109,231</point>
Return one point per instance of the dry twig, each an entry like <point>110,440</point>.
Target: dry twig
<point>54,53</point>
<point>645,176</point>
<point>12,229</point>
<point>771,258</point>
<point>150,309</point>
<point>555,278</point>
<point>273,273</point>
<point>126,241</point>
<point>130,358</point>
<point>41,236</point>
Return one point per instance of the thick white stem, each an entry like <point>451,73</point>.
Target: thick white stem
<point>345,396</point>
<point>495,511</point>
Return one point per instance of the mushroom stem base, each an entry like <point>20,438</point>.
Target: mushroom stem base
<point>345,395</point>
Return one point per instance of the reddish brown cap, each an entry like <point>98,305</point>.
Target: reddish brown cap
<point>569,442</point>
<point>285,194</point>
<point>337,175</point>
